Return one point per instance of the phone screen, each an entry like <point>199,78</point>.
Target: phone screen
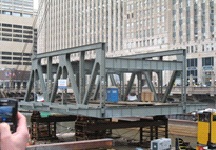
<point>6,114</point>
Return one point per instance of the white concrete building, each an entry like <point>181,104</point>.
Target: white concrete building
<point>135,26</point>
<point>178,24</point>
<point>67,23</point>
<point>16,35</point>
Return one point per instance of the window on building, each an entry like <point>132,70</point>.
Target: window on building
<point>208,61</point>
<point>6,12</point>
<point>16,14</point>
<point>6,62</point>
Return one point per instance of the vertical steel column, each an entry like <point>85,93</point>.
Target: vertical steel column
<point>156,131</point>
<point>184,81</point>
<point>122,87</point>
<point>139,77</point>
<point>141,135</point>
<point>160,79</point>
<point>151,133</point>
<point>49,78</point>
<point>64,76</point>
<point>81,76</point>
<point>102,75</point>
<point>35,85</point>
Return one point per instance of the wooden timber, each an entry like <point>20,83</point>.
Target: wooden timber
<point>77,145</point>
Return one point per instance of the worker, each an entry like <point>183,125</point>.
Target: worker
<point>17,140</point>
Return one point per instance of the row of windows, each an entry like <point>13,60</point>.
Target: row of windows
<point>204,48</point>
<point>144,43</point>
<point>206,61</point>
<point>16,31</point>
<point>141,4</point>
<point>145,33</point>
<point>16,40</point>
<point>145,22</point>
<point>16,2</point>
<point>188,20</point>
<point>14,58</point>
<point>15,26</point>
<point>15,53</point>
<point>16,35</point>
<point>15,63</point>
<point>16,13</point>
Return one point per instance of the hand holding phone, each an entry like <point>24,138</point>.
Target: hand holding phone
<point>8,112</point>
<point>15,140</point>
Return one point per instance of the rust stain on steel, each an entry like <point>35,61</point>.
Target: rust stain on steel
<point>77,145</point>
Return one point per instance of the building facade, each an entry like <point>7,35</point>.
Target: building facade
<point>67,23</point>
<point>136,26</point>
<point>177,24</point>
<point>17,36</point>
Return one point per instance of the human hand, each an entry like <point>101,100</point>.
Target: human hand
<point>17,140</point>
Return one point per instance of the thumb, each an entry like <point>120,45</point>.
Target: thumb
<point>4,130</point>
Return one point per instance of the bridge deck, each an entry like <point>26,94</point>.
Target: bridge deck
<point>122,109</point>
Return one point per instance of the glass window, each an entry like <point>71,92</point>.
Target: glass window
<point>17,63</point>
<point>205,117</point>
<point>27,54</point>
<point>6,57</point>
<point>208,61</point>
<point>6,12</point>
<point>16,53</point>
<point>17,26</point>
<point>214,117</point>
<point>6,25</point>
<point>26,63</point>
<point>19,31</point>
<point>17,58</point>
<point>6,53</point>
<point>27,27</point>
<point>27,15</point>
<point>16,14</point>
<point>6,62</point>
<point>17,40</point>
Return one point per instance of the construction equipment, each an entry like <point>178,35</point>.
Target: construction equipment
<point>206,134</point>
<point>206,131</point>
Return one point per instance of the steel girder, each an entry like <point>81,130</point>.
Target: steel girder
<point>110,112</point>
<point>99,68</point>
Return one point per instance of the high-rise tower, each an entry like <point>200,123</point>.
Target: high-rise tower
<point>17,36</point>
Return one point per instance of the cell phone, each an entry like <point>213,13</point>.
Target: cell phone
<point>8,112</point>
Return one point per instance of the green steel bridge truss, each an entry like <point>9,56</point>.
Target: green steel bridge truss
<point>100,69</point>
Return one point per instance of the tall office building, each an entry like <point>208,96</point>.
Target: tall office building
<point>67,23</point>
<point>16,38</point>
<point>155,25</point>
<point>146,26</point>
<point>136,26</point>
